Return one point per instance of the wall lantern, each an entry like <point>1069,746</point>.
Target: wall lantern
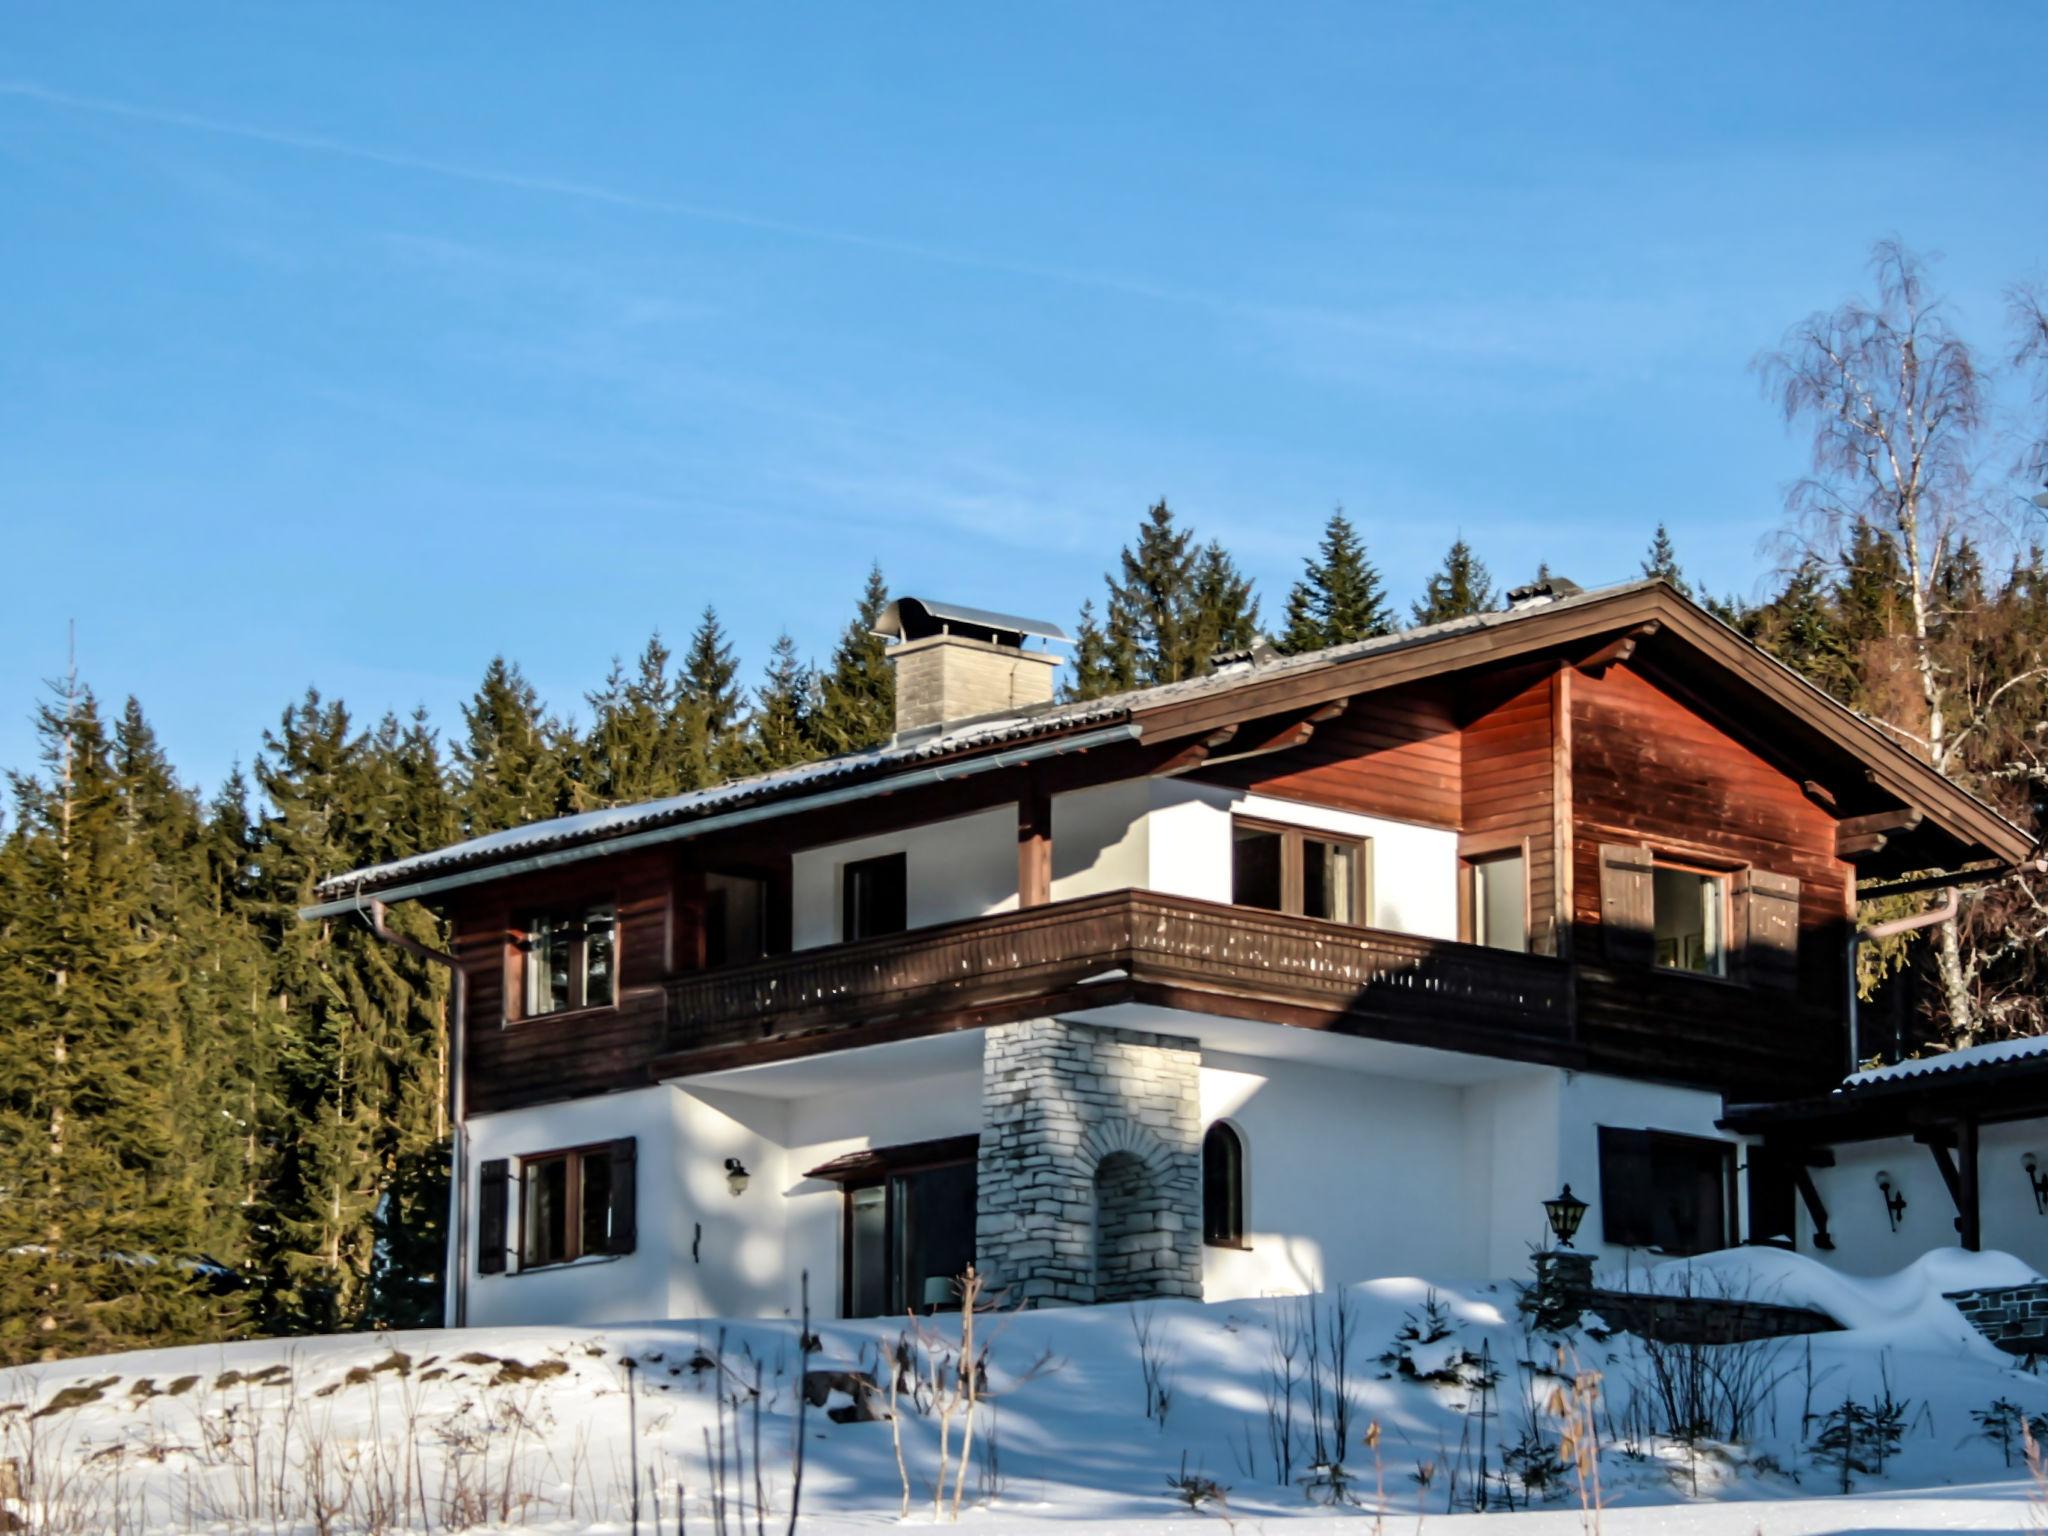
<point>2039,1180</point>
<point>1565,1211</point>
<point>736,1176</point>
<point>1894,1202</point>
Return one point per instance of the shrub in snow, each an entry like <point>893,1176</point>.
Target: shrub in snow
<point>1426,1349</point>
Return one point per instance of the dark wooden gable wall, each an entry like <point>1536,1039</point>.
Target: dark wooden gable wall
<point>1393,754</point>
<point>513,1061</point>
<point>1648,772</point>
<point>1509,783</point>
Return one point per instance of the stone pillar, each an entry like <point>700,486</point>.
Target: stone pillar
<point>1090,1167</point>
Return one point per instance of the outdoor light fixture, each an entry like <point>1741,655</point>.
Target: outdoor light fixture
<point>736,1176</point>
<point>1894,1202</point>
<point>1565,1211</point>
<point>2039,1180</point>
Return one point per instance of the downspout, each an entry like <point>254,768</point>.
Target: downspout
<point>458,1130</point>
<point>1940,912</point>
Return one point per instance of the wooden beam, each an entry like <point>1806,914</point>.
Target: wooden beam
<point>1034,844</point>
<point>1955,1155</point>
<point>1860,847</point>
<point>1819,793</point>
<point>1617,650</point>
<point>1905,819</point>
<point>1295,733</point>
<point>1192,757</point>
<point>1802,1180</point>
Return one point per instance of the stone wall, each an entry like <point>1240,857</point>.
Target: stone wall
<point>1090,1166</point>
<point>1565,1288</point>
<point>2014,1317</point>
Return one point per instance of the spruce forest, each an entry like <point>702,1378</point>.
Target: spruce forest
<point>218,1120</point>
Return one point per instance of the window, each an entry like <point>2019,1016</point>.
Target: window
<point>572,1204</point>
<point>874,896</point>
<point>908,1235</point>
<point>1500,901</point>
<point>1285,869</point>
<point>570,961</point>
<point>1664,1191</point>
<point>735,919</point>
<point>1223,1187</point>
<point>1690,912</point>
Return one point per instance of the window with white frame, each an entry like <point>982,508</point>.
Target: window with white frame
<point>569,961</point>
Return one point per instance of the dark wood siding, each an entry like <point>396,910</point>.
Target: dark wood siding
<point>1648,771</point>
<point>514,1062</point>
<point>1507,782</point>
<point>1391,754</point>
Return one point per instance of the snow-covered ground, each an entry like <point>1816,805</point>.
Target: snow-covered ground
<point>1089,1419</point>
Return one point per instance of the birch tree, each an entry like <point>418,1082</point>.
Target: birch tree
<point>1897,404</point>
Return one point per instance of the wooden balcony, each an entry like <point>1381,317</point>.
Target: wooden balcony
<point>1134,946</point>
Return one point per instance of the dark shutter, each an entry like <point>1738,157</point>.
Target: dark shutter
<point>625,1205</point>
<point>492,1182</point>
<point>1768,905</point>
<point>1627,1187</point>
<point>1773,1215</point>
<point>1627,909</point>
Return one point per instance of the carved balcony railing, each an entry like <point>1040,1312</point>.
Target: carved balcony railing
<point>1143,947</point>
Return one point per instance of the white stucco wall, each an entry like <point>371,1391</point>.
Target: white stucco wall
<point>1174,835</point>
<point>965,867</point>
<point>1865,1243</point>
<point>1513,1149</point>
<point>701,1250</point>
<point>681,1149</point>
<point>1100,839</point>
<point>1348,1176</point>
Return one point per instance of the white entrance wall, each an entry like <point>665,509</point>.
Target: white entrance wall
<point>1865,1243</point>
<point>1350,1174</point>
<point>701,1250</point>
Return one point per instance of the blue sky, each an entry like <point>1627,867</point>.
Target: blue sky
<point>351,344</point>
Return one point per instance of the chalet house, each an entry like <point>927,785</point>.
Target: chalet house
<point>1314,968</point>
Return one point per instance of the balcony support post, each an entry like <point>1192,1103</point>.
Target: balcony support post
<point>1034,845</point>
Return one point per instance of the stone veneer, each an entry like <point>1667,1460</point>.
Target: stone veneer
<point>2014,1317</point>
<point>1090,1167</point>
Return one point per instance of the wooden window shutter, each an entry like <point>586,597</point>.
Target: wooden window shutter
<point>1627,916</point>
<point>1767,907</point>
<point>492,1185</point>
<point>625,1202</point>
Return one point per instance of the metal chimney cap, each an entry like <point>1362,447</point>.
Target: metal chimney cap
<point>917,618</point>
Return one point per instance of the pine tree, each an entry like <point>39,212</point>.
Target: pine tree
<point>512,765</point>
<point>1176,605</point>
<point>1460,589</point>
<point>779,734</point>
<point>857,693</point>
<point>1800,627</point>
<point>1340,597</point>
<point>640,738</point>
<point>1662,562</point>
<point>104,1210</point>
<point>716,746</point>
<point>317,1239</point>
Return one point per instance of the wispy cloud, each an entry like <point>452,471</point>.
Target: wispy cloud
<point>592,192</point>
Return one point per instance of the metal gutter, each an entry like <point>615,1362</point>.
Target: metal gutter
<point>360,900</point>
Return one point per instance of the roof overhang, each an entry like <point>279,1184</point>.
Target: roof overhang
<point>1759,699</point>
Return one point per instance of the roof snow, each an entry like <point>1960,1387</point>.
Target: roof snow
<point>1968,1059</point>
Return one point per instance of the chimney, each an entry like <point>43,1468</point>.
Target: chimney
<point>955,663</point>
